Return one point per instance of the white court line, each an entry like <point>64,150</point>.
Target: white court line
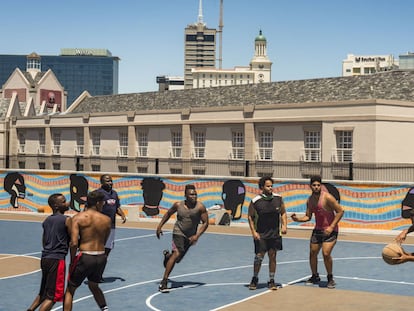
<point>306,277</point>
<point>20,255</point>
<point>220,270</point>
<point>148,300</point>
<point>21,274</point>
<point>138,237</point>
<point>29,255</point>
<point>239,301</point>
<point>372,280</point>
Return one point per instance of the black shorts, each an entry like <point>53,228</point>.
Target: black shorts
<point>53,279</point>
<point>87,266</point>
<point>180,243</point>
<point>264,245</point>
<point>319,237</point>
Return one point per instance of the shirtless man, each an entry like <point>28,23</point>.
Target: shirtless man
<point>328,213</point>
<point>90,230</point>
<point>189,214</point>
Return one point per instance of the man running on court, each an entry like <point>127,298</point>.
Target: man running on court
<point>90,230</point>
<point>328,213</point>
<point>185,232</point>
<point>267,219</point>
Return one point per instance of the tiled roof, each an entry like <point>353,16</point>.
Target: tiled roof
<point>392,85</point>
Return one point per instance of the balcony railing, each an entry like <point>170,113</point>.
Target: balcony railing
<point>21,149</point>
<point>56,149</point>
<point>142,151</point>
<point>96,149</point>
<point>311,155</point>
<point>123,151</point>
<point>265,154</point>
<point>176,152</point>
<point>79,150</point>
<point>237,153</point>
<point>42,149</point>
<point>199,152</point>
<point>342,155</point>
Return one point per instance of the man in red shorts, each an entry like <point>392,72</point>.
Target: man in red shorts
<point>56,236</point>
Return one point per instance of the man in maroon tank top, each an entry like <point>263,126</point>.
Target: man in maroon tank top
<point>327,213</point>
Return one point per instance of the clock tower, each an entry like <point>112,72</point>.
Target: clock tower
<point>260,63</point>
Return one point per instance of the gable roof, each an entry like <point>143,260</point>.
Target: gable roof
<point>33,81</point>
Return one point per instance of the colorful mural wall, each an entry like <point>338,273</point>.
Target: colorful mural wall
<point>367,206</point>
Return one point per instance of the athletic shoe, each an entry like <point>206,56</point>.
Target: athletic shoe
<point>163,287</point>
<point>253,283</point>
<point>314,279</point>
<point>271,284</point>
<point>166,254</point>
<point>331,283</point>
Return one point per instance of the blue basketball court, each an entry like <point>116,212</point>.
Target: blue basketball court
<point>214,274</point>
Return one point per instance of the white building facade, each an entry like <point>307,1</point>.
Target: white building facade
<point>358,65</point>
<point>259,70</point>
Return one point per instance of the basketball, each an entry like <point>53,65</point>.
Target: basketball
<point>391,251</point>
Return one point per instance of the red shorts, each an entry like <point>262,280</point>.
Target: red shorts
<point>52,285</point>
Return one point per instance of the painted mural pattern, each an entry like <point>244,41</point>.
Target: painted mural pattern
<point>367,206</point>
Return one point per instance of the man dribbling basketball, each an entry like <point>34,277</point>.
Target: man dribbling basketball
<point>404,257</point>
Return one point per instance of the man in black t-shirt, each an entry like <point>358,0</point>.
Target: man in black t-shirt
<point>267,219</point>
<point>55,240</point>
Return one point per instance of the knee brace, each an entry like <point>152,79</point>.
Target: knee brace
<point>258,260</point>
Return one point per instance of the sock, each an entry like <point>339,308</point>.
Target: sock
<point>271,276</point>
<point>105,308</point>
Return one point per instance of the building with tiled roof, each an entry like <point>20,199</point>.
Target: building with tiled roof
<point>288,129</point>
<point>36,85</point>
<point>394,85</point>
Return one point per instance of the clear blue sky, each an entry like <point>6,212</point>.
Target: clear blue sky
<point>306,38</point>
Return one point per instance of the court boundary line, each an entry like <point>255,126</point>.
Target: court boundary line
<point>10,256</point>
<point>219,270</point>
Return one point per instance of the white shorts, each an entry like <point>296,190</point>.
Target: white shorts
<point>110,243</point>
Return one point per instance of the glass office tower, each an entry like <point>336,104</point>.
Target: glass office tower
<point>78,70</point>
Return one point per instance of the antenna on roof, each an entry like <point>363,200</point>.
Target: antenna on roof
<point>220,31</point>
<point>200,12</point>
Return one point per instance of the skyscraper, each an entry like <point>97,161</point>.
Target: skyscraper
<point>200,47</point>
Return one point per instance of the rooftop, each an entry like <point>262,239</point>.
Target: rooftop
<point>392,85</point>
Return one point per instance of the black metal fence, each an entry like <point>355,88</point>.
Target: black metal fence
<point>386,172</point>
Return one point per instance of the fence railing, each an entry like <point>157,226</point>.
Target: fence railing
<point>402,172</point>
